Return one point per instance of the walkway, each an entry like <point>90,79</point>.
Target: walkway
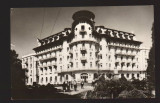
<point>79,90</point>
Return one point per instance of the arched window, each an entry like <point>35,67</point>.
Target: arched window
<point>127,75</point>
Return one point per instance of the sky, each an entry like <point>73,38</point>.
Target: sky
<point>28,24</point>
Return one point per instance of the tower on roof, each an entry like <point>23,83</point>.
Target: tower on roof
<point>83,14</point>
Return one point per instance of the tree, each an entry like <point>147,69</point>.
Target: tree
<point>151,63</point>
<point>17,74</point>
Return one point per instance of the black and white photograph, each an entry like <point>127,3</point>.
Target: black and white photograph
<point>93,52</point>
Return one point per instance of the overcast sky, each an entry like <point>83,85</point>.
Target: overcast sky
<point>26,23</point>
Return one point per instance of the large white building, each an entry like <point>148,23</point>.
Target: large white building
<point>83,51</point>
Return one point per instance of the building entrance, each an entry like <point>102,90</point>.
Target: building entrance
<point>84,76</point>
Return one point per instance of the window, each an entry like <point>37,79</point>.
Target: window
<point>121,58</point>
<point>76,54</point>
<point>82,36</point>
<point>138,75</point>
<point>83,44</point>
<point>83,64</point>
<point>31,80</point>
<point>100,56</point>
<point>46,79</point>
<point>67,48</point>
<point>101,47</point>
<point>109,65</point>
<point>90,45</point>
<point>82,27</point>
<point>115,56</point>
<point>66,77</point>
<point>90,54</point>
<point>89,35</point>
<point>61,78</point>
<point>122,75</point>
<point>42,80</point>
<point>127,75</point>
<point>90,64</point>
<point>77,64</point>
<point>55,78</point>
<point>50,79</point>
<point>89,28</point>
<point>76,29</point>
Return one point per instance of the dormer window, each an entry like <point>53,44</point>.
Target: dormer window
<point>82,27</point>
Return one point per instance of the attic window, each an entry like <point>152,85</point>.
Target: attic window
<point>82,27</point>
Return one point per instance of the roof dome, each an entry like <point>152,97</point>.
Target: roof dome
<point>82,14</point>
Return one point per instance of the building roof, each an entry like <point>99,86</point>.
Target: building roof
<point>32,54</point>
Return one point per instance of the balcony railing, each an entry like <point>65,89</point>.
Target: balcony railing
<point>82,32</point>
<point>52,64</point>
<point>71,52</point>
<point>54,49</point>
<point>83,50</point>
<point>83,59</point>
<point>125,54</point>
<point>47,58</point>
<point>71,60</point>
<point>122,46</point>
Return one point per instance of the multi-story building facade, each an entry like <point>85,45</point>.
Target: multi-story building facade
<point>82,51</point>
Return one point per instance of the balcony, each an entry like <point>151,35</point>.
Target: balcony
<point>83,59</point>
<point>134,60</point>
<point>123,46</point>
<point>83,50</point>
<point>125,54</point>
<point>53,49</point>
<point>118,60</point>
<point>71,52</point>
<point>82,32</point>
<point>48,58</point>
<point>71,60</point>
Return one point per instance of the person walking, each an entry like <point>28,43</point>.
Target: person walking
<point>75,85</point>
<point>82,84</point>
<point>68,86</point>
<point>71,84</point>
<point>64,86</point>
